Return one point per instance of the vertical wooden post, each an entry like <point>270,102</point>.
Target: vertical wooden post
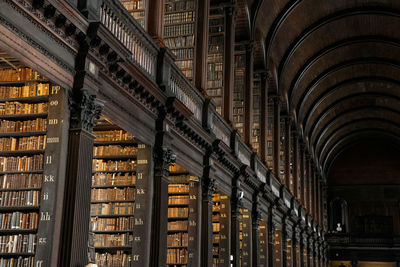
<point>208,187</point>
<point>287,151</point>
<point>248,95</point>
<point>277,135</point>
<point>263,118</point>
<point>229,63</point>
<point>76,216</point>
<point>302,177</point>
<point>154,19</point>
<point>201,45</point>
<point>163,157</point>
<point>295,140</point>
<point>256,230</point>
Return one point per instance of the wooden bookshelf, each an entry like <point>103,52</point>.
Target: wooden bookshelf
<point>24,111</point>
<point>113,196</point>
<point>270,134</point>
<point>282,152</point>
<point>245,237</point>
<point>255,131</point>
<point>220,221</point>
<point>278,261</point>
<point>238,91</point>
<point>263,243</point>
<point>137,9</point>
<point>179,32</point>
<point>215,58</point>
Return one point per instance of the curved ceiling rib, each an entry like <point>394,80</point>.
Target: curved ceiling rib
<point>360,126</point>
<point>353,139</point>
<point>337,67</point>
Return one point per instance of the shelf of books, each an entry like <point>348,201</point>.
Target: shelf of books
<point>278,249</point>
<point>179,31</point>
<point>136,8</point>
<point>305,257</point>
<point>29,134</point>
<point>221,223</point>
<point>282,152</point>
<point>270,134</point>
<point>215,59</point>
<point>298,254</point>
<point>291,165</point>
<point>183,195</point>
<point>289,253</point>
<point>238,91</point>
<point>120,171</point>
<point>255,131</point>
<point>245,237</point>
<point>263,243</point>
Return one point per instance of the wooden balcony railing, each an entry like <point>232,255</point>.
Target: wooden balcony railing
<point>128,31</point>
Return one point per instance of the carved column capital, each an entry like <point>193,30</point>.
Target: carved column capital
<point>163,158</point>
<point>209,187</point>
<point>84,108</point>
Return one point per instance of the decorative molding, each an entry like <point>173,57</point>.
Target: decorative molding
<point>85,108</point>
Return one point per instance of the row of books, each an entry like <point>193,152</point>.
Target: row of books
<point>178,212</point>
<point>173,6</point>
<point>133,4</point>
<point>178,188</point>
<point>183,53</point>
<point>19,198</point>
<point>114,150</point>
<point>19,220</point>
<point>177,256</point>
<point>23,143</point>
<point>112,209</point>
<point>107,179</point>
<point>111,165</point>
<point>20,74</point>
<point>13,181</point>
<point>18,262</point>
<point>179,41</point>
<point>18,243</point>
<point>214,92</point>
<point>31,90</point>
<point>181,29</point>
<point>117,240</point>
<point>112,194</point>
<point>115,135</point>
<point>23,126</point>
<point>33,163</point>
<point>180,17</point>
<point>178,200</point>
<point>17,108</point>
<point>178,226</point>
<point>178,179</point>
<point>112,224</point>
<point>216,226</point>
<point>118,259</point>
<point>177,240</point>
<point>185,64</point>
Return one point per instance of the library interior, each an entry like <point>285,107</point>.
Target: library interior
<point>212,133</point>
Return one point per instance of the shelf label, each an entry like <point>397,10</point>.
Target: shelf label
<point>49,178</point>
<point>45,216</point>
<point>53,140</point>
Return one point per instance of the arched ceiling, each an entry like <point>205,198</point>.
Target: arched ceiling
<point>336,65</point>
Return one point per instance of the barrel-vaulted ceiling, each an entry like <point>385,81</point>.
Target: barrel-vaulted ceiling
<point>336,66</point>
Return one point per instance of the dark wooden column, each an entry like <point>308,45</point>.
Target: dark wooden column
<point>256,216</point>
<point>154,19</point>
<point>318,200</point>
<point>314,197</point>
<point>287,151</point>
<point>271,239</point>
<point>229,63</point>
<point>84,108</point>
<point>208,187</point>
<point>295,140</point>
<point>285,234</point>
<point>263,118</point>
<point>307,182</point>
<point>248,96</point>
<point>163,157</point>
<point>235,220</point>
<point>277,135</point>
<point>201,45</point>
<point>310,187</point>
<point>302,173</point>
